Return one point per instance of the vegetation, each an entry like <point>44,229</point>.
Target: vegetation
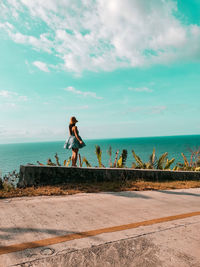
<point>50,163</point>
<point>116,156</point>
<point>163,163</point>
<point>69,189</point>
<point>154,162</point>
<point>99,153</point>
<point>192,165</point>
<point>9,181</point>
<point>86,162</point>
<point>110,156</point>
<point>122,160</point>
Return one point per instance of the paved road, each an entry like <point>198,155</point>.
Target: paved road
<point>148,228</point>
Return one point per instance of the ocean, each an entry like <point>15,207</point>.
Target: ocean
<point>14,155</point>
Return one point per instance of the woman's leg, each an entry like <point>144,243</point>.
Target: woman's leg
<point>74,156</point>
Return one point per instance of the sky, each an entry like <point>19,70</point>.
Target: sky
<point>126,68</point>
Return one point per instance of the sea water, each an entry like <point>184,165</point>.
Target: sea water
<point>14,155</point>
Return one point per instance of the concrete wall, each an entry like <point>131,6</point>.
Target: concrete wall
<point>1,183</point>
<point>49,175</point>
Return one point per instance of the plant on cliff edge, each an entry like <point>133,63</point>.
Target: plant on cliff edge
<point>50,163</point>
<point>66,163</point>
<point>86,162</point>
<point>110,156</point>
<point>99,153</point>
<point>116,156</point>
<point>192,165</point>
<point>122,160</point>
<point>10,180</point>
<point>163,163</point>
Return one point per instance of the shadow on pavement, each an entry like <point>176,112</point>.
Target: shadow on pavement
<point>129,194</point>
<point>21,230</point>
<point>178,193</point>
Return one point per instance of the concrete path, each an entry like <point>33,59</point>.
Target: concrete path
<point>147,228</point>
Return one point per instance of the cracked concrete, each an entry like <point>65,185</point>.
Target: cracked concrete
<point>172,243</point>
<point>150,249</point>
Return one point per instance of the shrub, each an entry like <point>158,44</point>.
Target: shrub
<point>162,163</point>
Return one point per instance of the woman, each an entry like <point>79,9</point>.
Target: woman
<point>74,142</point>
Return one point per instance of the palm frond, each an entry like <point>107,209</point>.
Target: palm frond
<point>138,160</point>
<point>116,156</point>
<point>169,163</point>
<point>124,157</point>
<point>39,163</point>
<point>198,161</point>
<point>99,153</point>
<point>68,162</point>
<point>176,168</point>
<point>162,161</point>
<point>186,163</point>
<point>147,165</point>
<point>133,165</point>
<point>191,158</point>
<point>50,163</point>
<point>110,156</point>
<point>57,159</point>
<point>152,158</point>
<point>86,162</point>
<point>120,162</point>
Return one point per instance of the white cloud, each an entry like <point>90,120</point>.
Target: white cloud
<point>7,94</point>
<point>72,108</point>
<point>140,89</point>
<point>158,109</point>
<point>23,98</point>
<point>12,105</point>
<point>12,95</point>
<point>104,35</point>
<point>144,110</point>
<point>84,107</point>
<point>81,93</point>
<point>41,65</point>
<point>7,106</point>
<point>4,93</point>
<point>6,26</point>
<point>42,43</point>
<point>25,133</point>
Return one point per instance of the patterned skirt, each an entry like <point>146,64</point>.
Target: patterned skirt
<point>72,142</point>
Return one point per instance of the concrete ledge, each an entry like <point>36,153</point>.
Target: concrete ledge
<point>31,175</point>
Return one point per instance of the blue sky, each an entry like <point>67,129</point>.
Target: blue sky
<point>124,68</point>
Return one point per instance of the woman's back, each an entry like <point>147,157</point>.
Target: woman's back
<point>74,128</point>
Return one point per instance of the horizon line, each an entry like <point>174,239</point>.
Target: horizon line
<point>106,138</point>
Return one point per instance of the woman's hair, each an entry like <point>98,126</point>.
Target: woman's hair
<point>73,120</point>
<point>70,127</point>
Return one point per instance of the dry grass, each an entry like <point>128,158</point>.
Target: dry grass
<point>70,189</point>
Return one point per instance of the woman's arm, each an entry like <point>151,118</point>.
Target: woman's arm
<point>76,135</point>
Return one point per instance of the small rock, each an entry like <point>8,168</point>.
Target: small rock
<point>47,251</point>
